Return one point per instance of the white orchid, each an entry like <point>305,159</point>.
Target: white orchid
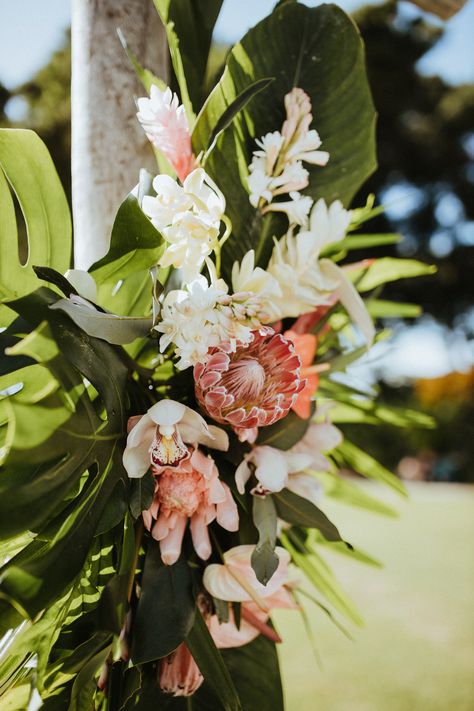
<point>188,217</point>
<point>277,469</point>
<point>160,438</point>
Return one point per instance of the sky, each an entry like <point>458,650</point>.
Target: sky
<point>31,29</point>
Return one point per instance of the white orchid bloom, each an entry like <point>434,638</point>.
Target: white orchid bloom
<point>272,468</point>
<point>160,438</point>
<point>277,469</point>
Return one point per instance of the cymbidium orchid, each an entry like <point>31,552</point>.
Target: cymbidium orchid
<point>252,385</point>
<point>277,469</point>
<point>166,126</point>
<point>189,218</point>
<point>165,437</point>
<point>235,581</point>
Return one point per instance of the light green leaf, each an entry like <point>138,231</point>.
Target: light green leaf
<point>367,466</point>
<point>388,269</point>
<point>27,168</point>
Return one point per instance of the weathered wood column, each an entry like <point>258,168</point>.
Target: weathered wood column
<point>108,145</point>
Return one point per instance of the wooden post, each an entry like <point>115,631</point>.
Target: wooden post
<point>108,145</point>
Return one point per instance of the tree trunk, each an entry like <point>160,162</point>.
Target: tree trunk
<point>108,144</point>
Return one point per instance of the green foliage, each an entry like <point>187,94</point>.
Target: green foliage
<point>189,25</point>
<point>264,559</point>
<point>27,167</point>
<point>166,609</point>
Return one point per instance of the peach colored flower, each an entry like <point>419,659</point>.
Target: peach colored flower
<point>253,386</point>
<point>305,346</point>
<point>190,491</point>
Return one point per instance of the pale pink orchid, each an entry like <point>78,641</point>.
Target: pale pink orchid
<point>277,469</point>
<point>190,491</point>
<point>160,438</point>
<point>166,126</point>
<point>251,385</point>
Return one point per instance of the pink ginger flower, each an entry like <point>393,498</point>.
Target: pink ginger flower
<point>190,491</point>
<point>166,126</point>
<point>179,674</point>
<point>253,385</point>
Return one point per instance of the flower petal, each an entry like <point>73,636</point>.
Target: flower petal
<point>167,412</point>
<point>271,467</point>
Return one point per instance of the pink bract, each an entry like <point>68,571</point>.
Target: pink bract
<point>253,386</point>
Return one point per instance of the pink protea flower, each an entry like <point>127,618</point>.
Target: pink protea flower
<point>166,126</point>
<point>190,491</point>
<point>252,387</point>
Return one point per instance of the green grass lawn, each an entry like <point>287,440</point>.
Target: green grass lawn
<point>416,651</point>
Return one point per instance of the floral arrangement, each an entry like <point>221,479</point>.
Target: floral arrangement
<point>172,419</point>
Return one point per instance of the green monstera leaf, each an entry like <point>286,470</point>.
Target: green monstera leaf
<point>27,171</point>
<point>320,50</point>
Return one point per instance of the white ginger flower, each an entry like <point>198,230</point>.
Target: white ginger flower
<point>188,217</point>
<point>204,315</point>
<point>247,278</point>
<point>296,209</point>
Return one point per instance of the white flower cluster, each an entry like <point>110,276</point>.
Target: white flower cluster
<point>277,167</point>
<point>189,218</point>
<point>203,315</point>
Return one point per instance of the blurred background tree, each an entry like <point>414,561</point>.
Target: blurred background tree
<point>426,181</point>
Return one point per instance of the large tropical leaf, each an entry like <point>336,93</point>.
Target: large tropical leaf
<point>320,50</point>
<point>189,25</point>
<point>26,167</point>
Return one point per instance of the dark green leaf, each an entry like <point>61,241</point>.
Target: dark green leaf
<point>141,493</point>
<point>189,25</point>
<point>56,278</point>
<point>285,433</point>
<point>305,51</point>
<point>136,245</point>
<point>301,512</point>
<point>166,608</point>
<point>211,664</point>
<point>230,112</point>
<point>264,560</point>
